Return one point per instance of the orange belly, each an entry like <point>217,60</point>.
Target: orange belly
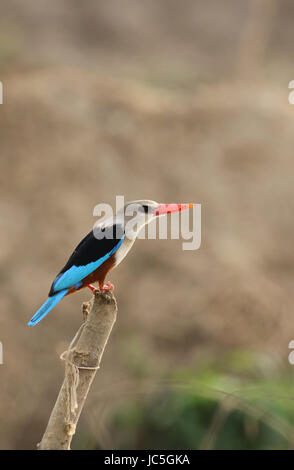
<point>98,275</point>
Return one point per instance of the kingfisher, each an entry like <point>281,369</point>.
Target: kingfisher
<point>102,250</point>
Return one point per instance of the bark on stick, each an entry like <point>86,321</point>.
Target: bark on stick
<point>82,361</point>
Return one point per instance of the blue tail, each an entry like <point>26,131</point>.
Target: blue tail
<point>47,306</point>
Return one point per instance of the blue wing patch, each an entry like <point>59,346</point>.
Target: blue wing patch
<point>74,275</point>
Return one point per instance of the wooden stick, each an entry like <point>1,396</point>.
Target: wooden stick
<point>82,361</point>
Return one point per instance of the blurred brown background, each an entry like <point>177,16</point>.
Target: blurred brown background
<point>159,99</point>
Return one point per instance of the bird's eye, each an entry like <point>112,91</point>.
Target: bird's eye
<point>145,209</point>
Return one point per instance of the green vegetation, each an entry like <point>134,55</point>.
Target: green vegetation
<point>214,408</point>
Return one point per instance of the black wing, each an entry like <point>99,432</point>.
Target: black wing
<point>90,253</point>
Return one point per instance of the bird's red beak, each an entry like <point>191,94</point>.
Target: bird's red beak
<point>168,208</point>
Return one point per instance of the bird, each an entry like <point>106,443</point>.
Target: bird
<point>101,250</point>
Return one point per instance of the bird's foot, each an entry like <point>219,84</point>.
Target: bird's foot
<point>107,287</point>
<point>91,287</point>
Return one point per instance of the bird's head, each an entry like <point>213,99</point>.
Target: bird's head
<point>144,211</point>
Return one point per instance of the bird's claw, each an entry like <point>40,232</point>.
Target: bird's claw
<point>106,288</point>
<point>92,288</point>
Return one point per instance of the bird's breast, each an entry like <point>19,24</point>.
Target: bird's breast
<point>123,250</point>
